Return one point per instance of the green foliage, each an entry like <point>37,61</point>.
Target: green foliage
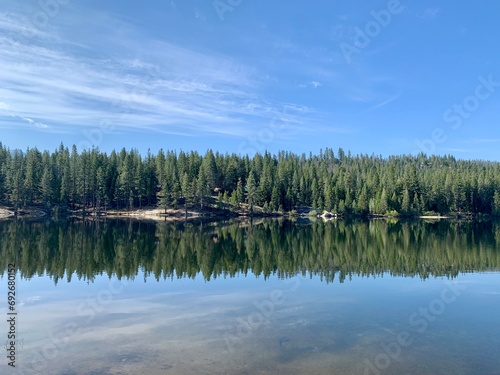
<point>496,203</point>
<point>431,213</point>
<point>251,190</point>
<point>333,250</point>
<point>392,213</point>
<point>346,184</point>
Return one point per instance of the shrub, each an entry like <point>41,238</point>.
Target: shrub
<point>431,213</point>
<point>392,213</point>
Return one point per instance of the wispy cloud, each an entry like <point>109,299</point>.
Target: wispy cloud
<point>459,150</point>
<point>313,84</point>
<point>33,122</point>
<point>385,102</point>
<point>136,82</point>
<point>483,140</point>
<point>360,94</point>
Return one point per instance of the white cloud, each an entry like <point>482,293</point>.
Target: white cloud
<point>484,140</point>
<point>315,84</point>
<point>33,122</point>
<point>459,150</point>
<point>385,102</point>
<point>126,78</point>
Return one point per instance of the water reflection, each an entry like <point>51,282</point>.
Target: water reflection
<point>166,250</point>
<point>134,297</point>
<point>294,326</point>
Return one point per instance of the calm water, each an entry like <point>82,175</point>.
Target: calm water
<point>268,298</point>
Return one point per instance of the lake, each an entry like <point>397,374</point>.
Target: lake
<point>261,297</point>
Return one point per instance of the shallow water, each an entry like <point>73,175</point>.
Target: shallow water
<point>155,320</point>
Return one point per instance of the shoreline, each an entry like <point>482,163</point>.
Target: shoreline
<point>159,214</point>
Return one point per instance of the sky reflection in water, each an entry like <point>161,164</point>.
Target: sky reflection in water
<point>252,325</point>
<point>248,325</point>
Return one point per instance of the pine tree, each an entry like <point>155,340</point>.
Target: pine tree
<point>362,202</point>
<point>65,187</point>
<point>15,178</point>
<point>496,203</point>
<point>210,171</point>
<point>265,185</point>
<point>251,190</point>
<point>239,192</point>
<point>416,209</point>
<point>101,188</point>
<point>187,191</point>
<point>33,175</point>
<point>349,184</point>
<point>341,209</point>
<point>3,172</point>
<point>74,175</point>
<point>202,186</point>
<point>126,181</point>
<point>328,197</point>
<point>46,186</point>
<point>348,203</point>
<point>405,203</point>
<point>165,196</point>
<point>383,206</point>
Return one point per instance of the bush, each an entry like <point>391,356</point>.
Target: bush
<point>392,213</point>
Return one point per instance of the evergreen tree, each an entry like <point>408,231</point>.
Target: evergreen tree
<point>405,203</point>
<point>15,178</point>
<point>275,199</point>
<point>239,192</point>
<point>251,190</point>
<point>496,203</point>
<point>383,206</point>
<point>46,188</point>
<point>202,187</point>
<point>348,184</point>
<point>187,191</point>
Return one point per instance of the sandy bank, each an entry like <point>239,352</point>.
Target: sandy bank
<point>4,214</point>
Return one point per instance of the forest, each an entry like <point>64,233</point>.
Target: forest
<point>338,182</point>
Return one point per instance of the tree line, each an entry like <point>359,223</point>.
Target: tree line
<point>331,250</point>
<point>333,181</point>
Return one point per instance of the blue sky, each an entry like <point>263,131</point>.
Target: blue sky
<point>383,77</point>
